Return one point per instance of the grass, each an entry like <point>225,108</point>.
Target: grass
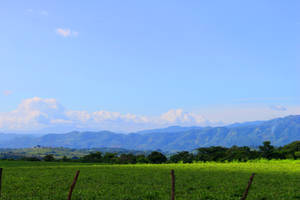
<point>43,181</point>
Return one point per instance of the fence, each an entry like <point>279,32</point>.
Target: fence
<point>245,194</point>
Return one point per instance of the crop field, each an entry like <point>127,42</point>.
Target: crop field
<point>42,181</point>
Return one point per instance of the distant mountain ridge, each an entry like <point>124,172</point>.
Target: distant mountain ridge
<point>279,131</point>
<point>173,129</point>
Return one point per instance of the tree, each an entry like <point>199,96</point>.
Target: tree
<point>297,154</point>
<point>267,150</point>
<point>214,153</point>
<point>49,158</point>
<point>110,157</point>
<point>291,150</point>
<point>157,157</point>
<point>31,159</point>
<point>93,157</point>
<point>184,156</point>
<point>239,153</point>
<point>127,159</point>
<point>141,159</point>
<point>65,159</point>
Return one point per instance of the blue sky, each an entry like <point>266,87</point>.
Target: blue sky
<point>205,58</point>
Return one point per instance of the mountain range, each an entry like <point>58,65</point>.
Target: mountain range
<point>279,131</point>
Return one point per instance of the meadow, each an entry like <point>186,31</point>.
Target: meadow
<point>51,180</point>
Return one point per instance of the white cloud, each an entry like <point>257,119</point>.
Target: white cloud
<point>37,114</point>
<point>44,115</point>
<point>32,114</point>
<point>178,116</point>
<point>66,32</point>
<point>63,32</point>
<point>7,92</point>
<point>278,108</point>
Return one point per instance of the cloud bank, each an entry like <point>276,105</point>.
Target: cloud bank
<point>66,32</point>
<point>38,115</point>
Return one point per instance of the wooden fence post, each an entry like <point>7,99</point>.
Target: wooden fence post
<point>73,185</point>
<point>173,185</point>
<point>248,187</point>
<point>0,179</point>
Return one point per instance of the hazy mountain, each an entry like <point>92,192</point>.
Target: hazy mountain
<point>173,129</point>
<point>279,131</point>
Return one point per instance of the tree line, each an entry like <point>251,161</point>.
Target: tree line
<point>204,154</point>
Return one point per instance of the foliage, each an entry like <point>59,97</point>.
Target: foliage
<point>292,150</point>
<point>157,157</point>
<point>184,157</point>
<point>49,158</point>
<point>204,154</point>
<point>93,157</point>
<point>59,152</point>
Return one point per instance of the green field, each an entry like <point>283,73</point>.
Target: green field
<point>42,180</point>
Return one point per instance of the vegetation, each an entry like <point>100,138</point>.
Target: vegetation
<point>205,154</point>
<point>39,152</point>
<point>209,173</point>
<point>275,180</point>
